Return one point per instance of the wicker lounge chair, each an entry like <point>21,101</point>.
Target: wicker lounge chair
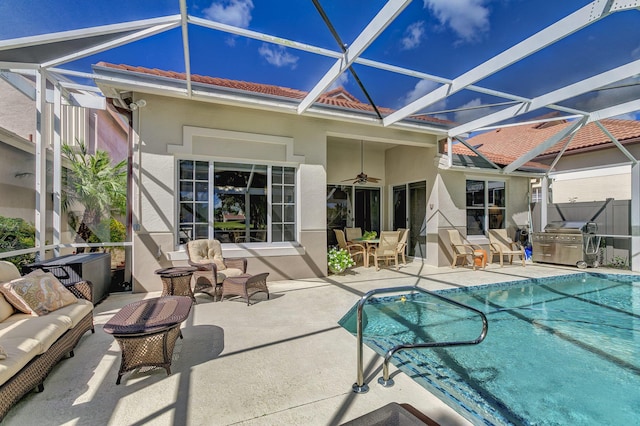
<point>213,268</point>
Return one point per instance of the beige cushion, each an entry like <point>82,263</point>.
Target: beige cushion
<point>8,271</point>
<point>20,350</point>
<point>3,353</point>
<point>206,251</point>
<point>229,272</point>
<point>37,293</point>
<point>46,329</point>
<point>75,312</point>
<point>6,308</point>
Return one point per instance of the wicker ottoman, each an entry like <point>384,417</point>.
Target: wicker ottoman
<point>245,285</point>
<point>147,331</point>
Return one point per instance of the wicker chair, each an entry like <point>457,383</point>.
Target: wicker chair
<point>356,251</point>
<point>213,268</point>
<point>387,249</point>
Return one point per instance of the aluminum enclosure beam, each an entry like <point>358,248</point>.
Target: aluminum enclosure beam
<point>572,90</point>
<point>375,27</point>
<point>545,145</point>
<point>579,19</point>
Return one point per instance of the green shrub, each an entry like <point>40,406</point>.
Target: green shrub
<point>16,234</point>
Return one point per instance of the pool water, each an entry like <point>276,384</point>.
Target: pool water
<point>558,352</point>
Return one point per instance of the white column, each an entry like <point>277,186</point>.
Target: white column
<point>57,168</point>
<point>41,164</point>
<point>544,186</point>
<point>634,255</point>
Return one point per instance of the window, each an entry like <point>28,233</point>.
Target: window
<point>231,202</point>
<point>486,206</point>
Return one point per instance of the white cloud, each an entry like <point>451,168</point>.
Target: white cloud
<point>635,53</point>
<point>420,89</point>
<point>472,113</point>
<point>278,56</point>
<point>469,19</point>
<point>232,12</point>
<point>413,35</point>
<point>340,81</point>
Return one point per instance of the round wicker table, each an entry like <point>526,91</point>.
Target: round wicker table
<point>147,331</point>
<point>176,281</point>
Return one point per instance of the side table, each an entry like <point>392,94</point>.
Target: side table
<point>176,281</point>
<point>147,330</point>
<point>245,285</point>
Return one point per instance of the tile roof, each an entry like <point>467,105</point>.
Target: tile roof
<point>337,97</point>
<point>513,142</point>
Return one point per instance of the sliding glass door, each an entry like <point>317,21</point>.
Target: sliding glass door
<point>410,211</point>
<point>349,206</point>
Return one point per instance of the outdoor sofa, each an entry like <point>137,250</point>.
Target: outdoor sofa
<point>32,344</point>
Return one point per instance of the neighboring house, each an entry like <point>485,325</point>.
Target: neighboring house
<point>239,142</point>
<point>100,129</point>
<point>591,167</point>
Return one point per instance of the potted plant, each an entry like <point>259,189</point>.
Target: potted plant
<point>339,260</point>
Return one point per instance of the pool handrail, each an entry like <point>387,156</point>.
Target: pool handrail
<point>360,386</point>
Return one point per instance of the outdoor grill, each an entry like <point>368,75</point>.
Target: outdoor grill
<point>567,243</point>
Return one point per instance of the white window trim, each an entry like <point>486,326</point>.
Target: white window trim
<point>486,179</point>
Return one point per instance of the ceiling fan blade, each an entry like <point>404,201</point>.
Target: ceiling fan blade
<point>349,180</point>
<point>373,179</point>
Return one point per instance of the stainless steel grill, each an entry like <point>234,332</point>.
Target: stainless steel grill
<point>567,243</point>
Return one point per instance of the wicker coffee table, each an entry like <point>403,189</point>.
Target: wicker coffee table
<point>147,331</point>
<point>245,285</point>
<point>176,281</point>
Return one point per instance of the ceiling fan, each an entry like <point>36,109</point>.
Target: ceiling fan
<point>362,176</point>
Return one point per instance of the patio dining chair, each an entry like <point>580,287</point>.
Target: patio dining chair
<point>352,233</point>
<point>356,251</point>
<point>213,268</point>
<point>387,249</point>
<point>463,249</point>
<point>500,244</point>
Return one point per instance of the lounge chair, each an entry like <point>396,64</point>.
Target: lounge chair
<point>356,251</point>
<point>387,249</point>
<point>402,243</point>
<point>213,268</point>
<point>463,249</point>
<point>502,245</point>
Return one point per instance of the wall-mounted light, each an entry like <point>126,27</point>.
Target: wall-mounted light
<point>141,103</point>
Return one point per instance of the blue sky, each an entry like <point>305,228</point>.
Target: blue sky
<point>440,37</point>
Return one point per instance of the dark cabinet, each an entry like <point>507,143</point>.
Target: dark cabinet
<point>69,269</point>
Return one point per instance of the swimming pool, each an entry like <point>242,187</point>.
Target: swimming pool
<point>558,351</point>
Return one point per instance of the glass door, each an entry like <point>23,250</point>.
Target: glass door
<point>367,209</point>
<point>410,211</point>
<point>338,210</point>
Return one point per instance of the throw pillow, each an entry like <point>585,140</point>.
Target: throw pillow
<point>37,294</point>
<point>3,353</point>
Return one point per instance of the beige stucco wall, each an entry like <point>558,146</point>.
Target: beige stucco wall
<point>160,126</point>
<point>323,151</point>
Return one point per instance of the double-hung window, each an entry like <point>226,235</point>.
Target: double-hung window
<point>236,202</point>
<point>486,206</point>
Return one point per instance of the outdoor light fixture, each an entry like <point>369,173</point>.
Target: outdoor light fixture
<point>138,104</point>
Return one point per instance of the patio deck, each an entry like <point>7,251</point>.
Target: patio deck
<point>283,361</point>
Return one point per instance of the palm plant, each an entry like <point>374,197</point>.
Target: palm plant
<point>91,180</point>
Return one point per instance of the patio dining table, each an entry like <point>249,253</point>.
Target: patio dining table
<point>369,243</point>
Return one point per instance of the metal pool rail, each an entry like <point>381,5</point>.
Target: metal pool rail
<point>360,386</point>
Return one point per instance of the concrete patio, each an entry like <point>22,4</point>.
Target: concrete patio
<point>283,361</point>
